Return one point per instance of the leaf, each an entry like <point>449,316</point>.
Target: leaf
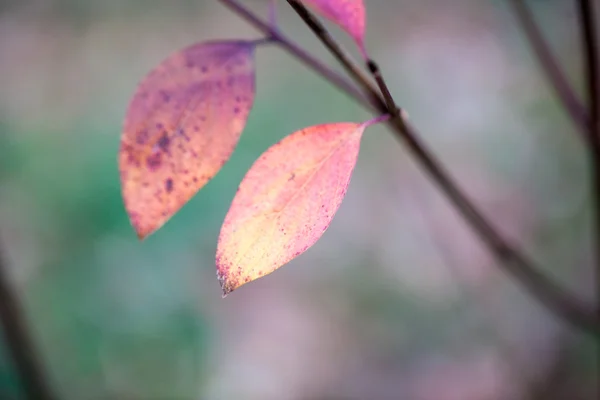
<point>286,201</point>
<point>350,15</point>
<point>182,125</point>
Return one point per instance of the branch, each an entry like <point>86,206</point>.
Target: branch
<point>20,345</point>
<point>513,261</point>
<point>321,69</point>
<point>550,66</point>
<point>590,47</point>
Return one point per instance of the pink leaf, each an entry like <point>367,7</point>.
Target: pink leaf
<point>286,201</point>
<point>182,125</point>
<point>350,15</point>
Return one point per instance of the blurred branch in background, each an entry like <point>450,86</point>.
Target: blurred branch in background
<point>20,345</point>
<point>590,55</point>
<point>589,38</point>
<point>550,66</point>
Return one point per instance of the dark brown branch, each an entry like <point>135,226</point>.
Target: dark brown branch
<point>590,50</point>
<point>513,262</point>
<point>385,91</point>
<point>512,259</point>
<point>550,66</point>
<point>19,343</point>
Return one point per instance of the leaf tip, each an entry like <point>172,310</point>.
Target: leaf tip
<point>142,234</point>
<point>226,286</point>
<point>142,230</point>
<point>222,276</point>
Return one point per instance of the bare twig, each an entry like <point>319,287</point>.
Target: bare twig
<point>516,264</point>
<point>273,13</point>
<point>550,66</point>
<point>385,91</point>
<point>590,50</point>
<point>19,343</point>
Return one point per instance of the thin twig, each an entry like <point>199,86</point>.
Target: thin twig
<point>516,264</point>
<point>273,13</point>
<point>590,50</point>
<point>385,91</point>
<point>19,343</point>
<point>550,66</point>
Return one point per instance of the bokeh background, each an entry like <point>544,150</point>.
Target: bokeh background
<point>397,301</point>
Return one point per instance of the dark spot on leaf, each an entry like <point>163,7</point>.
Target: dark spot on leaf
<point>182,133</point>
<point>163,142</point>
<point>153,161</point>
<point>204,69</point>
<point>131,156</point>
<point>166,97</point>
<point>236,110</point>
<point>292,177</point>
<point>169,185</point>
<point>142,137</point>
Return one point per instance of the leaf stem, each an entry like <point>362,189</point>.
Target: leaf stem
<point>264,41</point>
<point>273,13</point>
<point>550,66</point>
<point>19,343</point>
<point>377,120</point>
<point>512,260</point>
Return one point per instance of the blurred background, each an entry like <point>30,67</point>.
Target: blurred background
<point>398,300</point>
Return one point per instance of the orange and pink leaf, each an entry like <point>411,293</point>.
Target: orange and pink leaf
<point>181,126</point>
<point>350,15</point>
<point>286,201</point>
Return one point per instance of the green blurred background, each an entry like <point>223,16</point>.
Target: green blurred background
<point>397,301</point>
